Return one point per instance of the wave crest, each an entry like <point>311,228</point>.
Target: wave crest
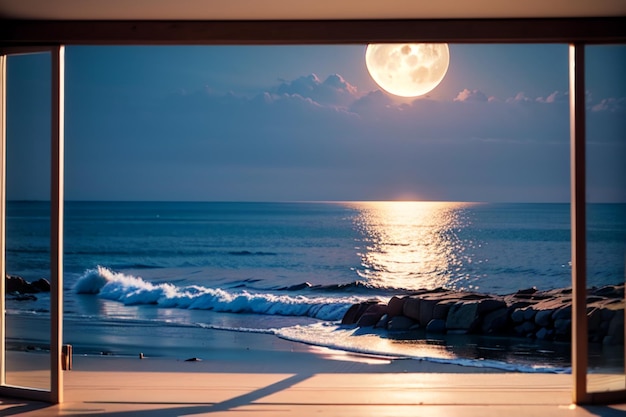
<point>132,290</point>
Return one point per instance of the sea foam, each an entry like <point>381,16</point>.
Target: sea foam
<point>374,342</point>
<point>132,290</point>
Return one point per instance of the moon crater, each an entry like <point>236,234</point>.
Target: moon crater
<point>408,69</point>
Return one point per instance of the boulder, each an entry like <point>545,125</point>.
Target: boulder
<point>19,284</point>
<point>355,312</point>
<point>594,320</point>
<point>517,315</point>
<point>441,309</point>
<point>350,316</point>
<point>495,321</point>
<point>543,318</point>
<point>544,334</point>
<point>563,329</point>
<point>41,285</point>
<point>527,291</point>
<point>516,304</point>
<point>607,314</point>
<point>462,316</point>
<point>529,313</point>
<point>400,323</point>
<point>525,329</point>
<point>395,306</point>
<point>609,291</point>
<point>436,326</point>
<point>490,304</point>
<point>382,323</point>
<point>411,308</point>
<point>427,306</point>
<point>372,315</point>
<point>615,332</point>
<point>563,313</point>
<point>545,315</point>
<point>473,296</point>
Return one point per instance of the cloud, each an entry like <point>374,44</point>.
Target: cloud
<point>519,98</point>
<point>308,138</point>
<point>555,97</point>
<point>612,105</point>
<point>334,90</point>
<point>471,95</point>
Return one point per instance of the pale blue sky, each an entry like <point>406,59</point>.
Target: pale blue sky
<point>267,123</point>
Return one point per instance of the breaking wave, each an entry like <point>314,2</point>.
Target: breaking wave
<point>132,290</point>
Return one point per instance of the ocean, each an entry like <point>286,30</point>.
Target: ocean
<point>292,269</point>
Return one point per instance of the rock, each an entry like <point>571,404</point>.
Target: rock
<point>516,304</point>
<point>462,316</point>
<point>193,360</point>
<point>527,291</point>
<point>609,291</point>
<point>518,315</point>
<point>382,323</point>
<point>395,306</point>
<point>411,308</point>
<point>400,323</point>
<point>607,314</point>
<point>563,329</point>
<point>545,315</point>
<point>543,318</point>
<point>563,313</point>
<point>368,320</point>
<point>427,306</point>
<point>441,309</point>
<point>529,313</point>
<point>544,334</point>
<point>41,285</point>
<point>490,304</point>
<point>495,321</point>
<point>594,320</point>
<point>436,326</point>
<point>350,316</point>
<point>18,284</point>
<point>355,312</point>
<point>473,297</point>
<point>616,329</point>
<point>525,328</point>
<point>372,315</point>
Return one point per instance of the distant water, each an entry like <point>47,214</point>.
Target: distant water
<point>294,268</point>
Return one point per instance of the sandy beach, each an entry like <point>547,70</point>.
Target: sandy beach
<point>259,374</point>
<point>201,371</point>
<point>235,352</point>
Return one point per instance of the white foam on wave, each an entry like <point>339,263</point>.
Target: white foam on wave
<point>334,336</point>
<point>132,290</point>
<point>237,329</point>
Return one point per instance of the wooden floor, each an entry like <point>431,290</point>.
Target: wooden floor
<point>120,394</point>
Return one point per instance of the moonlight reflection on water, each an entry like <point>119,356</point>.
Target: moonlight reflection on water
<point>412,244</point>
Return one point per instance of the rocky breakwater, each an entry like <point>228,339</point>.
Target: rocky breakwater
<point>21,290</point>
<point>529,313</point>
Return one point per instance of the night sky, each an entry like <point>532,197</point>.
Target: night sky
<point>292,123</point>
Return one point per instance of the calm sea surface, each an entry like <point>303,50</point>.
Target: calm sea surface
<point>294,268</point>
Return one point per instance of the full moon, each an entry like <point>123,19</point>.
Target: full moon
<point>407,69</point>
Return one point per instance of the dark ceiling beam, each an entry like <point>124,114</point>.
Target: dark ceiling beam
<point>566,30</point>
